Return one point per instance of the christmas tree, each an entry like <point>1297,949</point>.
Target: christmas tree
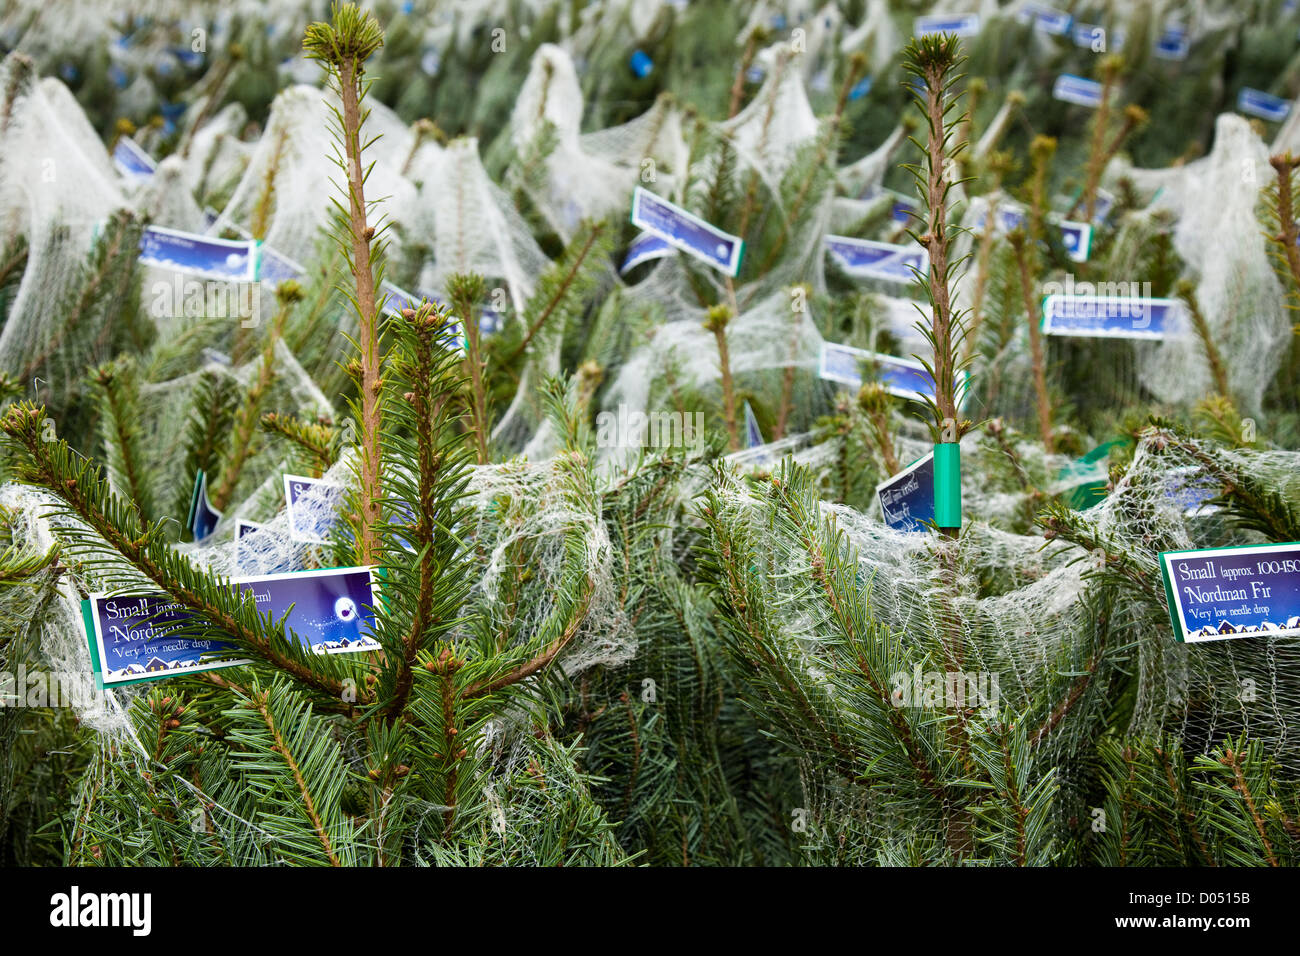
<point>693,389</point>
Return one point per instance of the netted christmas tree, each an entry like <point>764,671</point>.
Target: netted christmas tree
<point>636,596</point>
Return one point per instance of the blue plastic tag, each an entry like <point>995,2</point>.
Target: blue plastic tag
<point>1045,19</point>
<point>866,258</point>
<point>904,378</point>
<point>1173,44</point>
<point>687,232</point>
<point>1075,236</point>
<point>234,260</point>
<point>132,636</point>
<point>753,435</point>
<point>859,89</point>
<point>1075,89</point>
<point>1112,317</point>
<point>132,161</point>
<point>641,64</point>
<point>960,24</point>
<point>1220,593</point>
<point>644,248</point>
<point>907,499</point>
<point>203,518</point>
<point>1264,105</point>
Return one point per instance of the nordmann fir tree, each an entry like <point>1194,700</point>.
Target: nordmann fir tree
<point>723,740</point>
<point>933,60</point>
<point>319,759</point>
<point>884,779</point>
<point>343,46</point>
<point>796,614</point>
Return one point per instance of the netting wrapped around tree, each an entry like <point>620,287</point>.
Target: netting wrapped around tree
<point>1224,249</point>
<point>650,582</point>
<point>61,198</point>
<point>566,182</point>
<point>273,200</point>
<point>166,200</point>
<point>478,229</point>
<point>1028,617</point>
<point>680,360</point>
<point>657,136</point>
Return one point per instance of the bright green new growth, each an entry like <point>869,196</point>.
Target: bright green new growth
<point>933,60</point>
<point>342,46</point>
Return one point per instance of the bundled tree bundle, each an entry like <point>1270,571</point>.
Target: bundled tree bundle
<point>660,433</point>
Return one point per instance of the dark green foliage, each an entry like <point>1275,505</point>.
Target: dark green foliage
<point>663,658</point>
<point>207,432</point>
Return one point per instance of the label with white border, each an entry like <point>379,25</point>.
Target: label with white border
<point>753,434</point>
<point>203,517</point>
<point>330,611</point>
<point>1173,44</point>
<point>959,24</point>
<point>1264,105</point>
<point>1046,19</point>
<point>687,232</point>
<point>1112,317</point>
<point>131,160</point>
<point>903,378</point>
<point>1075,236</point>
<point>869,259</point>
<point>1220,593</point>
<point>644,248</point>
<point>234,260</point>
<point>907,499</point>
<point>1075,89</point>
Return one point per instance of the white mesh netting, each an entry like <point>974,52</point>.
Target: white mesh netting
<point>1031,611</point>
